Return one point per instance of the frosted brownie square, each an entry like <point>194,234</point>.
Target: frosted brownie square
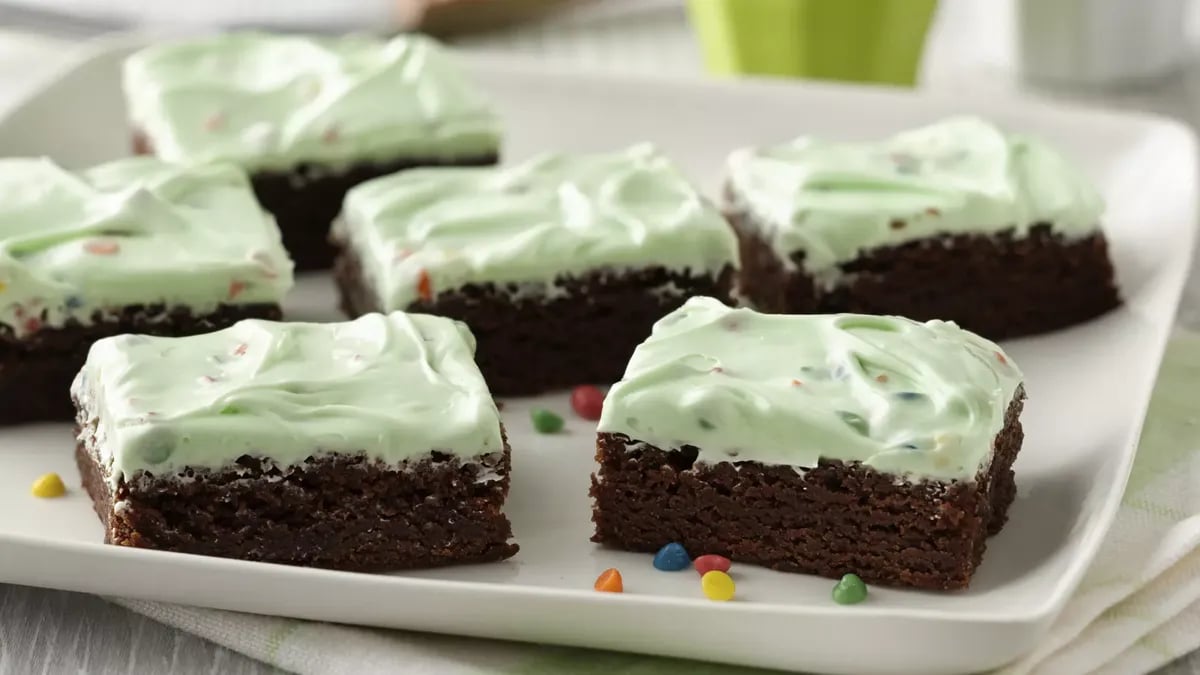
<point>134,245</point>
<point>960,220</point>
<point>560,265</point>
<point>823,444</point>
<point>369,445</point>
<point>308,117</point>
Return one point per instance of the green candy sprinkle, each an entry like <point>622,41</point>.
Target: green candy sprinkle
<point>850,590</point>
<point>545,422</point>
<point>854,421</point>
<point>706,425</point>
<point>230,410</point>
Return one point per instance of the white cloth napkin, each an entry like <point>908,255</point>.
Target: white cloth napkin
<point>1137,609</point>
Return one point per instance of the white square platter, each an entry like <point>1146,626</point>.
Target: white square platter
<point>1088,391</point>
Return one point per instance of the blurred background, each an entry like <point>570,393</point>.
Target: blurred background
<point>1128,54</point>
<point>1135,54</point>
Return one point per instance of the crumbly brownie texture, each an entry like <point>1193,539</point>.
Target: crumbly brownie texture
<point>528,344</point>
<point>959,220</point>
<point>559,264</point>
<point>132,245</point>
<point>830,520</point>
<point>306,198</point>
<point>1000,285</point>
<point>36,371</point>
<point>335,511</point>
<point>367,445</point>
<point>824,444</point>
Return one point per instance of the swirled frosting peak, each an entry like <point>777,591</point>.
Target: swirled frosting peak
<point>963,175</point>
<point>131,232</point>
<point>918,400</point>
<point>391,386</point>
<point>424,231</point>
<point>272,101</point>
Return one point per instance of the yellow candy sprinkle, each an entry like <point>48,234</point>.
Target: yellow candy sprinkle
<point>48,486</point>
<point>3,286</point>
<point>717,585</point>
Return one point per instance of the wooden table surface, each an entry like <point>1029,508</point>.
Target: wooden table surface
<point>44,631</point>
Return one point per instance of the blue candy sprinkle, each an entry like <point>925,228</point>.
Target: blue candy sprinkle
<point>909,395</point>
<point>672,558</point>
<point>73,302</point>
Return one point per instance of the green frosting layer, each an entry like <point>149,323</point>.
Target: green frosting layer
<point>273,101</point>
<point>392,386</point>
<point>919,400</point>
<point>424,231</point>
<point>135,231</point>
<point>962,175</point>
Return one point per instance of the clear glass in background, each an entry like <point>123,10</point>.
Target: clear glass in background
<point>1099,43</point>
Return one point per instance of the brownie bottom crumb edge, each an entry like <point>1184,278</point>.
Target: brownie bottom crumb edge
<point>36,371</point>
<point>1000,286</point>
<point>584,333</point>
<point>336,511</point>
<point>831,520</point>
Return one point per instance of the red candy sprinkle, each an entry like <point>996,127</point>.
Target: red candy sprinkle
<point>331,135</point>
<point>587,401</point>
<point>711,562</point>
<point>1001,359</point>
<point>933,212</point>
<point>102,247</point>
<point>240,349</point>
<point>424,286</point>
<point>214,121</point>
<point>32,324</point>
<point>235,289</point>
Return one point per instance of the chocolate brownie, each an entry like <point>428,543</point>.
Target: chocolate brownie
<point>308,117</point>
<point>559,265</point>
<point>822,444</point>
<point>371,445</point>
<point>959,221</point>
<point>130,246</point>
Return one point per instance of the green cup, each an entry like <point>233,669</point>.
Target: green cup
<point>877,41</point>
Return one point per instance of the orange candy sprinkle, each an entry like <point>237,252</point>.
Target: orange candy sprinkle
<point>609,581</point>
<point>881,378</point>
<point>424,286</point>
<point>797,383</point>
<point>214,121</point>
<point>235,289</point>
<point>102,247</point>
